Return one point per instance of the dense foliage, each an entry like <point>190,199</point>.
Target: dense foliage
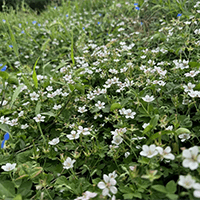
<point>100,99</point>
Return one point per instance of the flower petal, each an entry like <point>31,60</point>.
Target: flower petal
<point>101,185</point>
<point>113,189</point>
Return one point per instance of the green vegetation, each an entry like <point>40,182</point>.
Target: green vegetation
<point>100,99</point>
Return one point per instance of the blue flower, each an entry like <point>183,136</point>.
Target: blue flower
<point>34,22</point>
<point>4,20</point>
<point>100,15</point>
<point>4,68</point>
<point>6,136</point>
<point>137,8</point>
<point>39,25</point>
<point>2,144</point>
<point>55,7</point>
<point>20,25</point>
<point>11,46</point>
<point>22,32</point>
<point>141,23</point>
<point>67,15</point>
<point>1,65</point>
<point>83,28</point>
<point>135,4</point>
<point>99,23</point>
<point>179,15</point>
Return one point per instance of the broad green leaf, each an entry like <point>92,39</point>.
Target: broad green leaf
<point>172,196</point>
<point>38,107</point>
<point>4,75</point>
<point>80,87</point>
<point>15,95</point>
<point>35,75</point>
<point>154,121</point>
<point>147,129</point>
<point>171,187</point>
<point>13,80</point>
<point>5,128</point>
<point>194,64</point>
<point>182,130</point>
<point>128,196</point>
<point>159,188</point>
<point>71,87</point>
<point>115,106</point>
<point>18,197</point>
<point>7,188</point>
<point>51,114</point>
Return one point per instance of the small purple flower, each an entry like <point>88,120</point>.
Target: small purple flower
<point>4,68</point>
<point>67,15</point>
<point>179,15</point>
<point>100,15</point>
<point>39,25</point>
<point>83,28</point>
<point>11,46</point>
<point>22,32</point>
<point>34,22</point>
<point>137,8</point>
<point>4,20</point>
<point>99,23</point>
<point>135,4</point>
<point>141,23</point>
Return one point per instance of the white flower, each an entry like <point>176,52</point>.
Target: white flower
<point>186,181</point>
<point>108,185</point>
<point>9,167</point>
<point>192,159</point>
<point>196,192</point>
<point>147,98</point>
<point>34,96</point>
<point>184,136</point>
<point>87,195</point>
<point>149,152</point>
<point>112,175</point>
<point>145,125</point>
<point>39,118</point>
<point>68,163</point>
<point>56,107</point>
<point>54,141</point>
<point>24,126</point>
<point>165,153</point>
<point>129,114</point>
<point>117,139</point>
<point>127,154</point>
<point>82,109</point>
<point>73,135</point>
<point>100,104</point>
<point>84,131</point>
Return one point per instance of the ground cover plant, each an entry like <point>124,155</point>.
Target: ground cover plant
<point>100,100</point>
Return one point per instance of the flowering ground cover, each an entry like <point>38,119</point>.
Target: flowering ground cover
<point>99,99</point>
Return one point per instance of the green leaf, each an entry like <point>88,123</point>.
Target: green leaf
<point>5,128</point>
<point>45,44</point>
<point>35,75</point>
<point>159,188</point>
<point>18,197</point>
<point>171,187</point>
<point>128,196</point>
<point>51,114</point>
<point>147,129</point>
<point>115,106</point>
<point>194,64</point>
<point>13,80</point>
<point>154,121</point>
<point>38,107</point>
<point>80,87</point>
<point>172,196</point>
<point>7,188</point>
<point>4,75</point>
<point>15,95</point>
<point>71,87</point>
<point>182,130</point>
